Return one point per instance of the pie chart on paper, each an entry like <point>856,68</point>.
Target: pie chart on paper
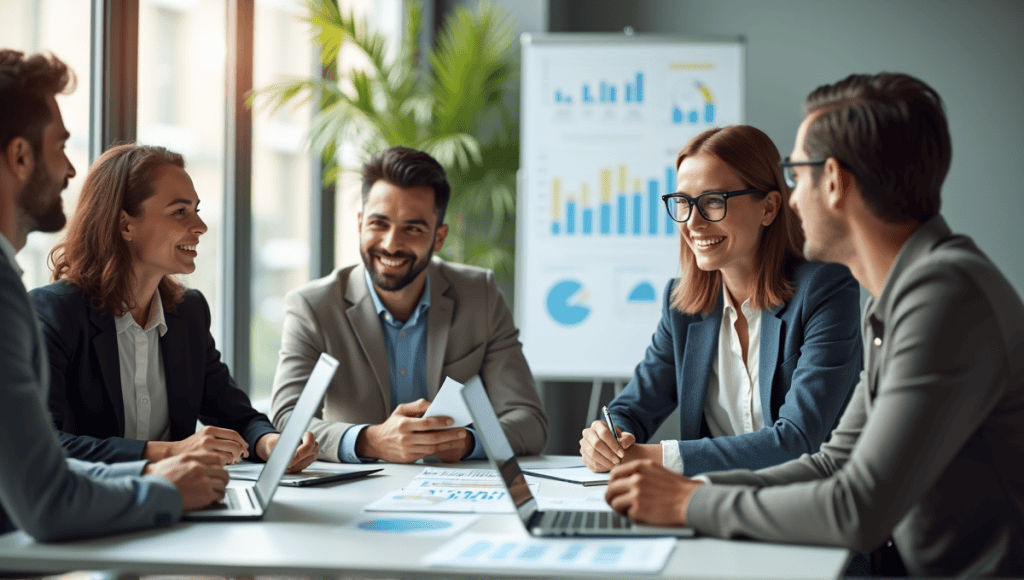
<point>567,303</point>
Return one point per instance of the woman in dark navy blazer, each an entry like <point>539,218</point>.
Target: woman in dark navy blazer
<point>758,348</point>
<point>132,362</point>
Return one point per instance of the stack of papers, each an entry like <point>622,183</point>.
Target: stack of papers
<point>438,489</point>
<point>576,474</point>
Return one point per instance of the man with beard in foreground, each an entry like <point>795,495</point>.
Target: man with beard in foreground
<point>42,492</point>
<point>399,323</point>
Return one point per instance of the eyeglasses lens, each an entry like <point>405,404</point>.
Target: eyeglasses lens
<point>678,209</point>
<point>712,207</point>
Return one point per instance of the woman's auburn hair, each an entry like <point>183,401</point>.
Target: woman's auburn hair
<point>93,255</point>
<point>755,160</point>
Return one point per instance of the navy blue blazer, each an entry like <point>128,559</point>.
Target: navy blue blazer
<point>85,377</point>
<point>811,357</point>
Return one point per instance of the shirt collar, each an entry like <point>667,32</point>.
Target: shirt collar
<point>156,317</point>
<point>728,309</point>
<point>8,249</point>
<point>381,309</point>
<point>918,244</point>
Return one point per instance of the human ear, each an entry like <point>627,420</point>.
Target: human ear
<point>20,158</point>
<point>125,227</point>
<point>836,183</point>
<point>773,202</point>
<point>439,237</point>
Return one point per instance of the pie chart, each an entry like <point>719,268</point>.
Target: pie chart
<point>403,525</point>
<point>567,303</point>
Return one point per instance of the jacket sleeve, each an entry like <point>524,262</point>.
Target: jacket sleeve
<point>62,330</point>
<point>224,404</point>
<point>827,366</point>
<point>302,341</point>
<point>38,491</point>
<point>651,395</point>
<point>509,382</point>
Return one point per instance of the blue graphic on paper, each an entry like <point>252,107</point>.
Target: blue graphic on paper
<point>533,553</point>
<point>559,306</point>
<point>503,552</point>
<point>608,554</point>
<point>571,553</point>
<point>475,550</point>
<point>402,525</point>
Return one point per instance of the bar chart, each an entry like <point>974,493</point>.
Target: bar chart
<point>605,92</point>
<point>631,206</point>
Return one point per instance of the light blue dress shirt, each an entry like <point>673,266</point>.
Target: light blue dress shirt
<point>406,344</point>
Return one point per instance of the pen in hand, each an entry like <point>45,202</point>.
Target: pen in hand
<point>611,424</point>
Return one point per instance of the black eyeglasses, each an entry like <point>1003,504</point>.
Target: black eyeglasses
<point>789,174</point>
<point>711,205</point>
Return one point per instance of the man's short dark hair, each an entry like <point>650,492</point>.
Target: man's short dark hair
<point>26,84</point>
<point>405,167</point>
<point>890,131</point>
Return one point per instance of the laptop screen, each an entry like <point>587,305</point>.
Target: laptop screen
<point>311,398</point>
<point>493,437</point>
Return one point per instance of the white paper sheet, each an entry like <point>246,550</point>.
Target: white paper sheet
<point>479,500</point>
<point>504,552</point>
<point>449,403</point>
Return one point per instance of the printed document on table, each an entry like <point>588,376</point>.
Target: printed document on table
<point>503,552</point>
<point>450,490</point>
<point>455,477</point>
<point>577,474</point>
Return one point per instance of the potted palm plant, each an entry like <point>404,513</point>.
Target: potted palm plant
<point>456,105</point>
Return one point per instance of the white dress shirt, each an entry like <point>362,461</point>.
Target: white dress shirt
<point>8,249</point>
<point>143,384</point>
<point>733,402</point>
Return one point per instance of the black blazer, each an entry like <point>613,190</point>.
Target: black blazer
<point>85,377</point>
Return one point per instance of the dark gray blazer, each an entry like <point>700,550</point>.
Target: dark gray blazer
<point>930,449</point>
<point>41,492</point>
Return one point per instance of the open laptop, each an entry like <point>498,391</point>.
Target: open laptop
<point>251,501</point>
<point>536,522</point>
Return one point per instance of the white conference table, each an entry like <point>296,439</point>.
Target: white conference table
<point>302,535</point>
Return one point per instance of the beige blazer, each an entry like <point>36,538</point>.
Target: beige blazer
<point>469,332</point>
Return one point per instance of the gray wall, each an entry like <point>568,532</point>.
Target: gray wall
<point>972,53</point>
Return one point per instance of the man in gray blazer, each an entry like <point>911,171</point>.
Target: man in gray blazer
<point>930,448</point>
<point>42,492</point>
<point>400,322</point>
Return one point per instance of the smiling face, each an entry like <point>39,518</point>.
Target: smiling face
<point>40,199</point>
<point>164,236</point>
<point>398,233</point>
<point>729,245</point>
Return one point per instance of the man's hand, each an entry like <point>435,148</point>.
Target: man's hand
<point>304,455</point>
<point>601,453</point>
<point>648,493</point>
<point>455,455</point>
<point>405,437</point>
<point>199,476</point>
<point>227,444</point>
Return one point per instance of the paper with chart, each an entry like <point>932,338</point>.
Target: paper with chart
<point>448,403</point>
<point>503,552</point>
<point>447,490</point>
<point>410,524</point>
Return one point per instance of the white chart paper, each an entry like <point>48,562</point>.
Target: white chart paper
<point>503,552</point>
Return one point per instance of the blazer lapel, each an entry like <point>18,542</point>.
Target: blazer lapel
<point>701,347</point>
<point>183,403</point>
<point>365,323</point>
<point>439,323</point>
<point>104,346</point>
<point>771,336</point>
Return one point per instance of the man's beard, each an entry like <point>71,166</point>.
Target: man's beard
<point>394,283</point>
<point>40,201</point>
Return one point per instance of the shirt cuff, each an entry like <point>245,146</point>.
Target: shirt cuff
<point>702,479</point>
<point>478,447</point>
<point>670,456</point>
<point>347,449</point>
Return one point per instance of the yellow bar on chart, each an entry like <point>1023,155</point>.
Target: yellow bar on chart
<point>586,195</point>
<point>622,179</point>
<point>556,194</point>
<point>636,185</point>
<point>606,186</point>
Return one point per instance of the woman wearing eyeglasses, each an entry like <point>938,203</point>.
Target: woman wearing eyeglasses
<point>132,361</point>
<point>758,348</point>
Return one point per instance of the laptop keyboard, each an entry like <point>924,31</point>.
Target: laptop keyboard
<point>589,521</point>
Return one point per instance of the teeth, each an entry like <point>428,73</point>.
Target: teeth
<point>707,242</point>
<point>189,248</point>
<point>389,262</point>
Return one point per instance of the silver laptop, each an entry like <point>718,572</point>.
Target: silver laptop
<point>536,522</point>
<point>250,502</point>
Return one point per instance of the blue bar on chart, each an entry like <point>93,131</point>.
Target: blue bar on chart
<point>570,217</point>
<point>670,187</point>
<point>622,200</point>
<point>606,202</point>
<point>556,195</point>
<point>562,98</point>
<point>634,92</point>
<point>652,193</point>
<point>587,97</point>
<point>588,212</point>
<point>637,207</point>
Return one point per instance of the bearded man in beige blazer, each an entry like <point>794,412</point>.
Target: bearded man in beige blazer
<point>399,323</point>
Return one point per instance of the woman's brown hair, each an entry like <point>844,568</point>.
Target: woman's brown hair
<point>755,159</point>
<point>93,255</point>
